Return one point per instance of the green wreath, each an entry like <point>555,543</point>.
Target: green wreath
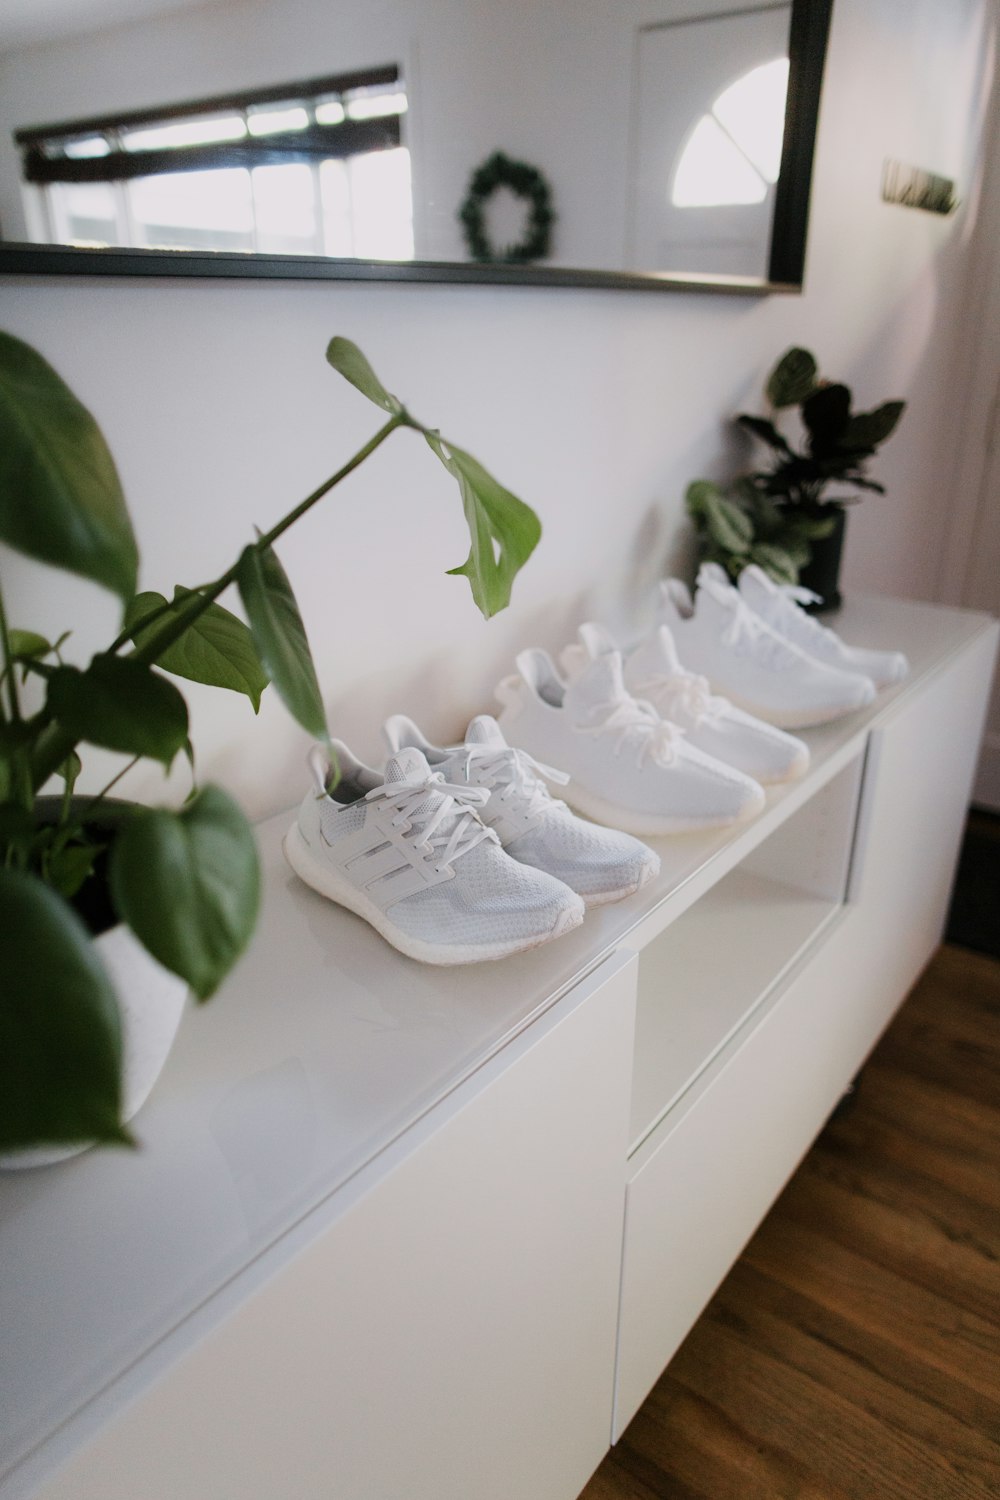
<point>528,183</point>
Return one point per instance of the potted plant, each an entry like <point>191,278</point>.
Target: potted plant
<point>91,891</point>
<point>783,517</point>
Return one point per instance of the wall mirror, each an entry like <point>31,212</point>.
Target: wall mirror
<point>673,139</point>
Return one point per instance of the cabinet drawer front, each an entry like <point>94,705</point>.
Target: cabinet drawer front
<point>704,1180</point>
<point>451,1335</point>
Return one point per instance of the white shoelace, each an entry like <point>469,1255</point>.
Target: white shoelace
<point>426,804</point>
<point>517,776</point>
<point>632,719</point>
<point>683,697</point>
<point>749,635</point>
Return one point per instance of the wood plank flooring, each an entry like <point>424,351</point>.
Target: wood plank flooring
<point>853,1352</point>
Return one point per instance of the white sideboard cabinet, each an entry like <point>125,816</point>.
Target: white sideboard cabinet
<point>405,1233</point>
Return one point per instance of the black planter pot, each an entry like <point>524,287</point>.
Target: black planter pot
<point>822,573</point>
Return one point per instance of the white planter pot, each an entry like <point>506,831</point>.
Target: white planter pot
<point>151,1001</point>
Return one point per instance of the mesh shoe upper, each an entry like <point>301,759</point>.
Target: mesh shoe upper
<point>781,608</point>
<point>598,863</point>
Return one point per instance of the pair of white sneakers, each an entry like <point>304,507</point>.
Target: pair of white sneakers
<point>755,643</point>
<point>457,854</point>
<point>647,746</point>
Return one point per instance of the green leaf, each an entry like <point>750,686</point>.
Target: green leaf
<point>25,644</point>
<point>61,501</point>
<point>70,866</point>
<point>122,705</point>
<point>730,528</point>
<point>217,648</point>
<point>348,359</point>
<point>280,637</point>
<point>792,379</point>
<point>698,495</point>
<point>503,530</point>
<point>766,431</point>
<point>60,1034</point>
<point>776,562</point>
<point>867,429</point>
<point>825,414</point>
<point>188,885</point>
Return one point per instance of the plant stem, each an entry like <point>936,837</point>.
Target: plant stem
<point>205,594</point>
<point>10,668</point>
<point>100,796</point>
<point>49,757</point>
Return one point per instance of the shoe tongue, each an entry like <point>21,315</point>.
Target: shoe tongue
<point>598,684</point>
<point>409,764</point>
<point>484,730</point>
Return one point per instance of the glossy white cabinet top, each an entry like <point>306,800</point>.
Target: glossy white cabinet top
<point>323,1048</point>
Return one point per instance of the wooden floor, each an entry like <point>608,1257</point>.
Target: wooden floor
<point>853,1353</point>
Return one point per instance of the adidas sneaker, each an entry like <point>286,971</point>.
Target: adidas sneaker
<point>719,636</point>
<point>600,864</point>
<point>710,723</point>
<point>628,768</point>
<point>782,608</point>
<point>407,851</point>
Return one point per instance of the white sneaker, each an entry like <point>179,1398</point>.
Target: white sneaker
<point>781,608</point>
<point>628,768</point>
<point>710,723</point>
<point>600,864</point>
<point>719,636</point>
<point>408,853</point>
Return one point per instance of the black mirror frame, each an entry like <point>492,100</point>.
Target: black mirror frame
<point>810,25</point>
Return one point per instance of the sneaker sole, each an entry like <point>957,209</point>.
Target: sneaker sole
<point>791,718</point>
<point>334,887</point>
<point>630,821</point>
<point>605,898</point>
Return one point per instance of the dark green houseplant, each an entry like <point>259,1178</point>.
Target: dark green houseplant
<point>784,517</point>
<point>185,882</point>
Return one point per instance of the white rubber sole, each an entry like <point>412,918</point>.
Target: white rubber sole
<point>651,824</point>
<point>331,884</point>
<point>605,898</point>
<point>791,718</point>
<point>797,769</point>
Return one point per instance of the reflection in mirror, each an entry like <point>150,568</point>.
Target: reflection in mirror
<point>675,139</point>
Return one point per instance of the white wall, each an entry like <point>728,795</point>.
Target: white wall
<point>597,407</point>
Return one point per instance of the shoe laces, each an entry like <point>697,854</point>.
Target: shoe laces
<point>442,816</point>
<point>683,697</point>
<point>516,776</point>
<point>748,635</point>
<point>633,721</point>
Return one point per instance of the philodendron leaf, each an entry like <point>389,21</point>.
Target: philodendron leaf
<point>867,429</point>
<point>122,705</point>
<point>792,379</point>
<point>825,414</point>
<point>60,497</point>
<point>188,885</point>
<point>280,637</point>
<point>348,359</point>
<point>217,648</point>
<point>60,1034</point>
<point>503,530</point>
<point>766,431</point>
